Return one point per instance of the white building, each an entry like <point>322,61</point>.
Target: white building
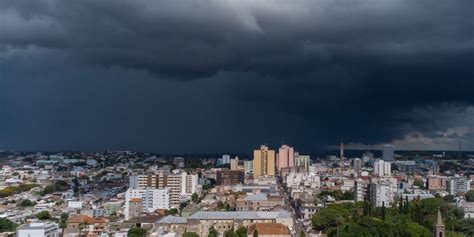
<point>307,179</point>
<point>234,163</point>
<point>189,183</point>
<point>457,185</point>
<point>382,168</point>
<point>360,189</point>
<point>152,199</point>
<point>225,159</point>
<point>302,161</point>
<point>180,184</point>
<point>381,192</point>
<point>74,204</point>
<point>47,229</point>
<point>248,166</point>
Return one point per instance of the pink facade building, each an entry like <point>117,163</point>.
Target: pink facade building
<point>286,157</point>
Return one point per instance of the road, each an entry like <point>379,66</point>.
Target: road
<point>298,225</point>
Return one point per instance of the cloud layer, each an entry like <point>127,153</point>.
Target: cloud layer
<point>315,72</point>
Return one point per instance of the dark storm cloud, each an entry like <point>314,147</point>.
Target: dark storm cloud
<point>325,69</point>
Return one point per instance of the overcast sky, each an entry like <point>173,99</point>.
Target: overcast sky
<point>188,76</point>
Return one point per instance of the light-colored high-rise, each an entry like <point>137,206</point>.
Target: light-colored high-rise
<point>248,166</point>
<point>357,166</point>
<point>286,156</point>
<point>234,163</point>
<point>225,159</point>
<point>302,161</point>
<point>263,162</point>
<point>189,184</point>
<point>181,185</point>
<point>151,199</point>
<point>388,152</point>
<point>382,168</point>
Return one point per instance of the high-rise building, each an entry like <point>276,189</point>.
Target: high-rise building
<point>357,166</point>
<point>302,161</point>
<point>248,167</point>
<point>286,156</point>
<point>457,185</point>
<point>382,168</point>
<point>341,157</point>
<point>263,162</point>
<point>434,168</point>
<point>189,183</point>
<point>381,193</point>
<point>234,163</point>
<point>360,189</point>
<point>151,199</point>
<point>181,185</point>
<point>388,153</point>
<point>225,159</point>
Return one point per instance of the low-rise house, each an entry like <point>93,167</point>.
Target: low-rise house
<point>82,225</point>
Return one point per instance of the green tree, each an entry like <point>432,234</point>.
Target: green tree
<point>213,232</point>
<point>415,230</point>
<point>48,189</point>
<point>241,231</point>
<point>454,234</point>
<point>419,183</point>
<point>172,211</point>
<point>190,234</point>
<point>230,233</point>
<point>330,217</point>
<point>470,196</point>
<point>26,203</point>
<point>6,225</point>
<point>43,215</point>
<point>183,205</point>
<point>136,232</point>
<point>63,220</point>
<point>195,197</point>
<point>220,205</point>
<point>302,234</point>
<point>348,195</point>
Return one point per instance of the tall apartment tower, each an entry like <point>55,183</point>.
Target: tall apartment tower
<point>438,227</point>
<point>248,166</point>
<point>302,161</point>
<point>388,152</point>
<point>286,157</point>
<point>382,168</point>
<point>263,162</point>
<point>234,163</point>
<point>150,200</point>
<point>341,166</point>
<point>181,185</point>
<point>357,166</point>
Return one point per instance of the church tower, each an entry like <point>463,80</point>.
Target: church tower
<point>438,227</point>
